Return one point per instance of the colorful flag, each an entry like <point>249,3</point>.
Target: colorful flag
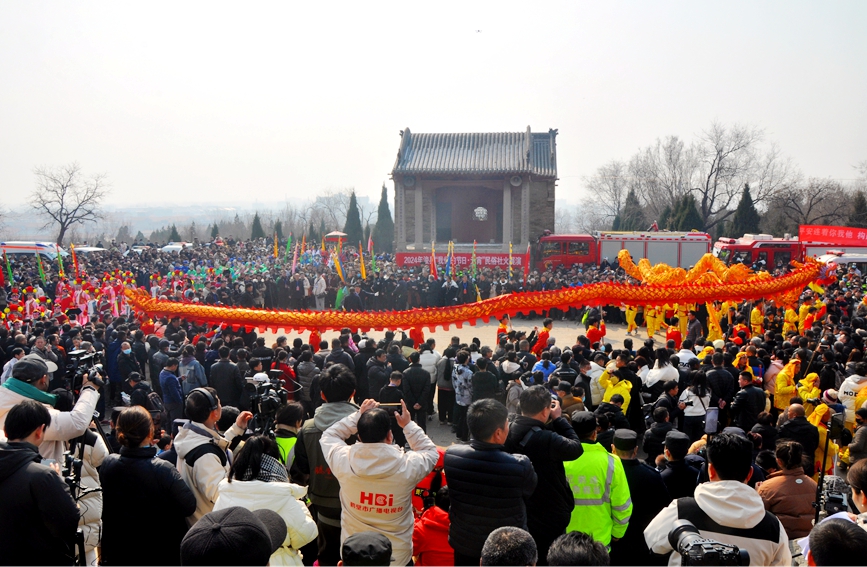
<point>59,263</point>
<point>337,267</point>
<point>511,272</point>
<point>473,262</point>
<point>527,264</point>
<point>323,244</point>
<point>41,271</point>
<point>288,246</point>
<point>449,261</point>
<point>276,247</point>
<point>303,243</point>
<point>295,258</point>
<point>433,262</point>
<point>478,294</point>
<point>370,244</point>
<point>361,261</point>
<point>74,258</point>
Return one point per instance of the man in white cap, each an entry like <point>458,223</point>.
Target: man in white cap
<point>30,381</point>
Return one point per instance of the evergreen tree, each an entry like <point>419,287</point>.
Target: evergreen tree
<point>632,213</point>
<point>256,230</point>
<point>665,218</point>
<point>215,231</point>
<point>686,217</point>
<point>278,228</point>
<point>322,231</point>
<point>139,237</point>
<point>352,228</point>
<point>615,224</point>
<point>312,235</point>
<point>123,235</point>
<point>366,235</point>
<point>746,217</point>
<point>194,233</point>
<point>383,232</point>
<point>174,236</point>
<point>858,212</point>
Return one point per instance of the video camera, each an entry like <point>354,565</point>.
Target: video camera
<point>694,549</point>
<point>83,363</point>
<point>267,395</point>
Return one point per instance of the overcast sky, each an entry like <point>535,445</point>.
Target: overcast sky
<point>185,102</point>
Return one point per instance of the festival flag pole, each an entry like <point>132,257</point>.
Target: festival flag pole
<point>361,261</point>
<point>337,267</point>
<point>511,272</point>
<point>295,257</point>
<point>373,267</point>
<point>474,259</point>
<point>74,258</point>
<point>288,247</point>
<point>276,246</point>
<point>527,264</point>
<point>41,271</point>
<point>59,263</point>
<point>433,261</point>
<point>303,243</point>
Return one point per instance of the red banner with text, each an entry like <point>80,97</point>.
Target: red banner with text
<point>834,235</point>
<point>463,260</point>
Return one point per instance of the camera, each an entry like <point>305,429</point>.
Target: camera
<point>694,549</point>
<point>267,395</point>
<point>83,363</point>
<point>689,403</point>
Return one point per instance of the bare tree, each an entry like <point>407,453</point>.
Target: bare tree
<point>66,197</point>
<point>817,201</point>
<point>662,174</point>
<point>608,188</point>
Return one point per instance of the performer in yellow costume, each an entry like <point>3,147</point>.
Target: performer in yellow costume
<point>651,318</point>
<point>757,318</point>
<point>790,321</point>
<point>631,312</point>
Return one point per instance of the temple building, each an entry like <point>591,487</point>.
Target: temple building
<point>491,188</point>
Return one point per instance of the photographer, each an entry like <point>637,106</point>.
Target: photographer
<point>38,516</point>
<point>724,509</point>
<point>203,454</point>
<point>30,381</point>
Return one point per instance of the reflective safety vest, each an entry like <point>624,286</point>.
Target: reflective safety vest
<point>603,505</point>
<point>287,449</point>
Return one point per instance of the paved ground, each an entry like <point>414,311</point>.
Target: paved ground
<point>565,332</point>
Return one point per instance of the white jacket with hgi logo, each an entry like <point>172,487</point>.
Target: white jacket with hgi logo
<point>377,481</point>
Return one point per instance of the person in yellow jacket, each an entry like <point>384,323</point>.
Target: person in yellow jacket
<point>785,384</point>
<point>682,311</point>
<point>803,311</point>
<point>603,506</point>
<point>809,390</point>
<point>757,318</point>
<point>820,417</point>
<point>790,321</point>
<point>631,312</point>
<point>714,330</point>
<point>650,319</point>
<point>613,384</point>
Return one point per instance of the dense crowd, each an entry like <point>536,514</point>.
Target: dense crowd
<point>226,449</point>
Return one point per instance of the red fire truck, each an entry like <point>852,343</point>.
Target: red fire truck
<point>681,249</point>
<point>773,252</point>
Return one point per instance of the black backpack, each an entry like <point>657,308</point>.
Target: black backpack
<point>158,412</point>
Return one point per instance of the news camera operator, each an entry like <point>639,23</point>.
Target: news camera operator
<point>38,517</point>
<point>30,381</point>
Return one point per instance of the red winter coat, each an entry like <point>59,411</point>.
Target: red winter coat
<point>430,538</point>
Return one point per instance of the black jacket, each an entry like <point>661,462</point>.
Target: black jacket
<point>126,364</point>
<point>38,516</point>
<point>654,441</point>
<point>416,386</point>
<point>722,386</point>
<point>649,496</point>
<point>805,433</point>
<point>340,356</point>
<point>488,488</point>
<point>550,506</point>
<point>227,380</point>
<point>769,435</point>
<point>748,403</point>
<point>484,385</point>
<point>680,479</point>
<point>377,377</point>
<point>135,480</point>
<point>671,404</point>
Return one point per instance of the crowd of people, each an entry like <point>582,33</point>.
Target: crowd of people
<point>739,418</point>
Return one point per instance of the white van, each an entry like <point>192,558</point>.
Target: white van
<point>49,249</point>
<point>844,260</point>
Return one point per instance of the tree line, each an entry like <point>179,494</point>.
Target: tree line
<point>729,181</point>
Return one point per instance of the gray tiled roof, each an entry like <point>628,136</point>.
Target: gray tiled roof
<point>478,153</point>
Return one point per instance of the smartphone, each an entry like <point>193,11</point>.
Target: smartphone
<point>48,462</point>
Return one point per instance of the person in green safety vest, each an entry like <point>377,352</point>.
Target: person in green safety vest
<point>288,421</point>
<point>602,502</point>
